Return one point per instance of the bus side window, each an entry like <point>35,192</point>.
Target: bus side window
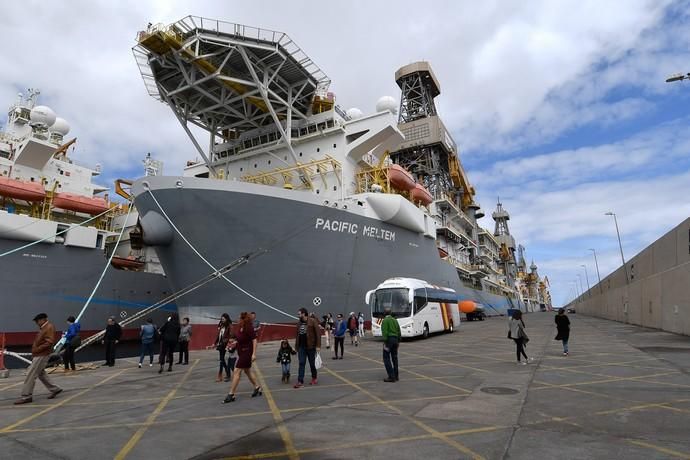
<point>419,300</point>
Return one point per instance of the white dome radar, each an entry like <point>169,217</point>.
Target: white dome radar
<point>60,126</point>
<point>354,113</point>
<point>387,103</point>
<point>42,115</point>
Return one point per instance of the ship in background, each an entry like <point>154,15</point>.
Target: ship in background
<point>317,204</point>
<point>43,192</point>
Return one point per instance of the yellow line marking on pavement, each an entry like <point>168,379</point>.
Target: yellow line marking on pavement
<point>62,402</point>
<point>594,382</point>
<point>379,442</point>
<point>11,386</point>
<point>420,376</point>
<point>663,450</point>
<point>425,427</point>
<point>278,418</point>
<point>442,361</point>
<point>134,440</point>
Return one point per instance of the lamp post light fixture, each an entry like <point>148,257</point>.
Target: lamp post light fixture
<point>596,264</point>
<point>620,245</point>
<point>678,77</point>
<point>587,278</point>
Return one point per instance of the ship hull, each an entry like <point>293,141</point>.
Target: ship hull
<point>296,260</point>
<point>57,280</point>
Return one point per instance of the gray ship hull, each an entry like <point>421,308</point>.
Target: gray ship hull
<point>57,280</point>
<point>298,260</point>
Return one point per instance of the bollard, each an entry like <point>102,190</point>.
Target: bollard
<point>4,373</point>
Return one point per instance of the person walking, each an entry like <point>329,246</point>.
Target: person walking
<point>307,344</point>
<point>339,336</point>
<point>285,353</point>
<point>246,355</point>
<point>170,335</point>
<point>518,334</point>
<point>113,333</point>
<point>326,325</point>
<point>222,337</point>
<point>40,354</point>
<point>360,323</point>
<point>563,328</point>
<point>185,337</point>
<point>390,331</point>
<point>353,328</point>
<point>256,324</point>
<point>72,341</point>
<point>147,334</point>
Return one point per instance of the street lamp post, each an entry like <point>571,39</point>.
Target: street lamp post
<point>620,245</point>
<point>587,278</point>
<point>582,289</point>
<point>596,264</point>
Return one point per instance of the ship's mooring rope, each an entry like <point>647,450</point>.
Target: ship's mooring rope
<point>191,246</point>
<point>61,342</point>
<point>12,251</point>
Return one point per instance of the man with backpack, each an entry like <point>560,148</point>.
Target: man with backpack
<point>353,329</point>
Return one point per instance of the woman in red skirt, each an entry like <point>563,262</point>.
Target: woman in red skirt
<point>246,355</point>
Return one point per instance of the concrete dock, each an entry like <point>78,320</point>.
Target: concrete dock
<point>623,393</point>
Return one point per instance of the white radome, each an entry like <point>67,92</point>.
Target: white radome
<point>354,113</point>
<point>42,115</point>
<point>387,103</point>
<point>60,126</point>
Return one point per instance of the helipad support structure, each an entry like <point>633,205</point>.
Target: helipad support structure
<point>228,78</point>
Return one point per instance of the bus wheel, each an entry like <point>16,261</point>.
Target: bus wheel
<point>450,328</point>
<point>425,334</point>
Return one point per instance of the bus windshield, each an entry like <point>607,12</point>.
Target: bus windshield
<point>396,299</point>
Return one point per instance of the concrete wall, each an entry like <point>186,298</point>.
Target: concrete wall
<point>658,294</point>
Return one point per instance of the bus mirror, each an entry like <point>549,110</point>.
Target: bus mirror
<point>367,297</point>
<point>411,295</point>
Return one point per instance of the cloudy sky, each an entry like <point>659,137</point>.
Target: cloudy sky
<point>559,107</point>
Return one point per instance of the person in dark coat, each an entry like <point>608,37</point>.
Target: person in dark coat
<point>307,344</point>
<point>72,341</point>
<point>170,334</point>
<point>563,328</point>
<point>246,355</point>
<point>113,334</point>
<point>223,336</point>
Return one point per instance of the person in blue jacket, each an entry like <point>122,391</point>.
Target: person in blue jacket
<point>339,335</point>
<point>72,341</point>
<point>148,336</point>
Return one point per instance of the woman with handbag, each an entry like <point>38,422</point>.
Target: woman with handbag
<point>222,337</point>
<point>72,342</point>
<point>246,355</point>
<point>517,333</point>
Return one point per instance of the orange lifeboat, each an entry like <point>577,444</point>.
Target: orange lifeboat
<point>21,190</point>
<point>400,178</point>
<point>421,194</point>
<point>73,202</point>
<point>467,306</point>
<point>128,263</point>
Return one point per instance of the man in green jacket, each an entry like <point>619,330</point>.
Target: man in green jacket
<point>390,330</point>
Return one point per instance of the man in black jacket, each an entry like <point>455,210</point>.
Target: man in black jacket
<point>113,333</point>
<point>170,334</point>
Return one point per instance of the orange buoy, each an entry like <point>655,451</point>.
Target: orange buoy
<point>421,194</point>
<point>21,190</point>
<point>80,203</point>
<point>467,306</point>
<point>400,178</point>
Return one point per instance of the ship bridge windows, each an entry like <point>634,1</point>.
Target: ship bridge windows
<point>203,175</point>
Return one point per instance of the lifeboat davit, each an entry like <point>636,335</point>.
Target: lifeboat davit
<point>129,263</point>
<point>421,194</point>
<point>21,190</point>
<point>79,203</point>
<point>400,178</point>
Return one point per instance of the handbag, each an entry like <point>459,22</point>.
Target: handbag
<point>75,342</point>
<point>317,361</point>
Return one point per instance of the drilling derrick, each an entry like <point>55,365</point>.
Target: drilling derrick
<point>429,151</point>
<point>502,234</point>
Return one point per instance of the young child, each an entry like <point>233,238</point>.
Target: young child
<point>284,357</point>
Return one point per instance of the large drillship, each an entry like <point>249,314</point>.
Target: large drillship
<point>46,196</point>
<point>312,204</point>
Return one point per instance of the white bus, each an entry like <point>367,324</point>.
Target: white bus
<point>419,307</point>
